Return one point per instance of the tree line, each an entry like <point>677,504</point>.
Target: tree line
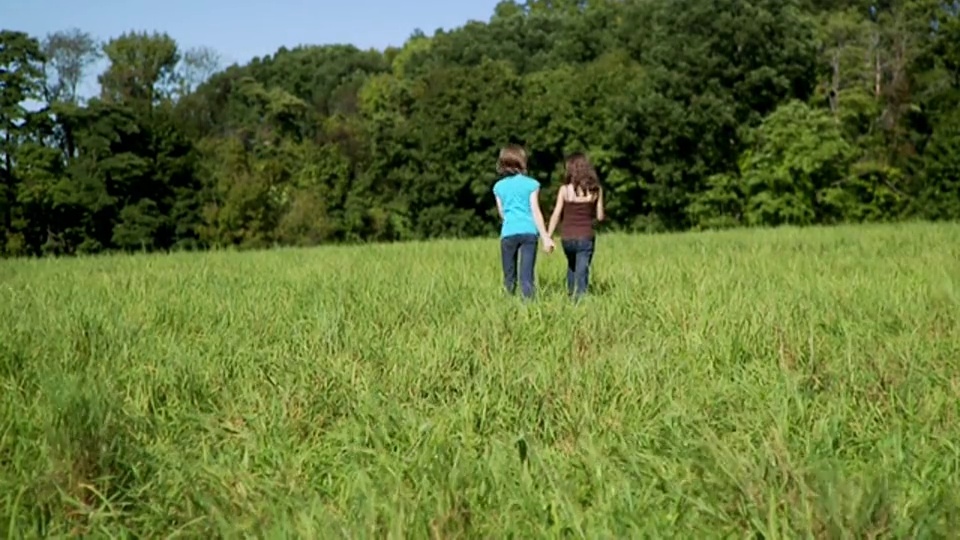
<point>697,114</point>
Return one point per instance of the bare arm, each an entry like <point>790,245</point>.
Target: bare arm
<point>537,215</point>
<point>557,212</point>
<point>500,208</point>
<point>601,215</point>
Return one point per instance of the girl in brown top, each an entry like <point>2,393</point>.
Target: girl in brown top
<point>579,203</point>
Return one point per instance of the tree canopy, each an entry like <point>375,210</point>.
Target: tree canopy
<point>697,115</point>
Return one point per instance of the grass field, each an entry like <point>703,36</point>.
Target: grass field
<point>768,384</point>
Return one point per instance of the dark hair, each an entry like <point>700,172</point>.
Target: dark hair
<point>512,160</point>
<point>581,175</point>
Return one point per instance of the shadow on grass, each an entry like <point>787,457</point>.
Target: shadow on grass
<point>558,287</point>
<point>600,287</point>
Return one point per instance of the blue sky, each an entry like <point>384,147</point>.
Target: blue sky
<point>242,29</point>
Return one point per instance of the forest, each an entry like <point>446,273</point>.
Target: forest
<point>698,115</point>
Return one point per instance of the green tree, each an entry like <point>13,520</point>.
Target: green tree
<point>736,112</point>
<point>794,170</point>
<point>21,80</point>
<point>938,194</point>
<point>69,54</point>
<point>142,69</point>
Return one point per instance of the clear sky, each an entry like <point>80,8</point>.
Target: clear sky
<point>242,29</point>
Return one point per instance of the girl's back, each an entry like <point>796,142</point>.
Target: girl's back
<point>579,211</point>
<point>514,194</point>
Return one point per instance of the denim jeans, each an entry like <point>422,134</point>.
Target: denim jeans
<point>524,246</point>
<point>579,252</point>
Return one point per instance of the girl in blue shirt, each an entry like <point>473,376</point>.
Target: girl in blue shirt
<point>518,203</point>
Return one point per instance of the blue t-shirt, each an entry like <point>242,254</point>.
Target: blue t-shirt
<point>514,194</point>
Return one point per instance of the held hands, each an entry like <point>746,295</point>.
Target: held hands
<point>548,245</point>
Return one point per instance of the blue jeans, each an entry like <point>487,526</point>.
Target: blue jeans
<point>524,246</point>
<point>579,252</point>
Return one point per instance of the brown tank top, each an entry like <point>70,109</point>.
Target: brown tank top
<point>577,221</point>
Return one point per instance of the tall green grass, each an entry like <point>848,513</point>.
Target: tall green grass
<point>788,383</point>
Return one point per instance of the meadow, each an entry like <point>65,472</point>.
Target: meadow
<point>790,383</point>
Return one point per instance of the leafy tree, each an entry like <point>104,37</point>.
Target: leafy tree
<point>792,173</point>
<point>938,196</point>
<point>142,69</point>
<point>21,76</point>
<point>703,115</point>
<point>69,54</point>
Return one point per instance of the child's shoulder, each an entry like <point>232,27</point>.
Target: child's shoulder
<point>516,181</point>
<point>527,180</point>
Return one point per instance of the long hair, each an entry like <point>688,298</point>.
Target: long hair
<point>512,160</point>
<point>581,175</point>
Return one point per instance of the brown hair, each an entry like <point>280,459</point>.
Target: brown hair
<point>581,175</point>
<point>512,160</point>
